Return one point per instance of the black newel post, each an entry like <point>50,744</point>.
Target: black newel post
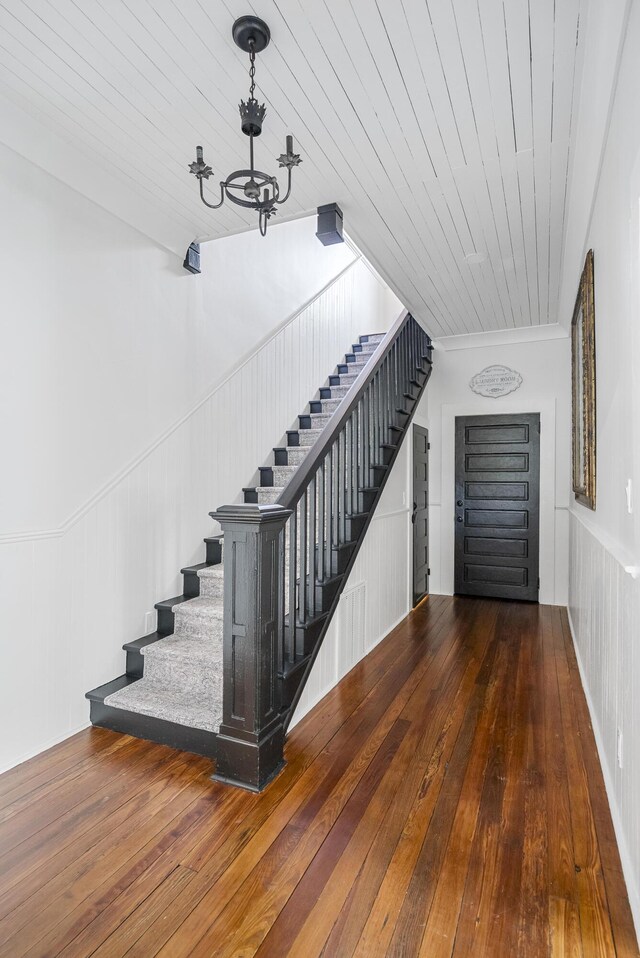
<point>251,739</point>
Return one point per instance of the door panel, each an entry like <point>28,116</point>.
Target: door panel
<point>497,506</point>
<point>420,513</point>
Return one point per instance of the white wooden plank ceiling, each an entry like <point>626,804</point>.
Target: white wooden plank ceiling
<point>442,127</point>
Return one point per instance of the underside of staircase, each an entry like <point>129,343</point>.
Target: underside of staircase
<point>172,690</point>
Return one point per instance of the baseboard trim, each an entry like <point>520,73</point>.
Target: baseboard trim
<point>625,856</point>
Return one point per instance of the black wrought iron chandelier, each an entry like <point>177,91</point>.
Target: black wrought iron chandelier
<point>250,188</point>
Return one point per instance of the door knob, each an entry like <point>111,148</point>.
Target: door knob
<point>459,518</point>
<point>459,502</point>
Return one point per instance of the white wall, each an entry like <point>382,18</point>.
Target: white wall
<point>135,398</point>
<point>545,370</point>
<point>604,600</point>
<point>107,340</point>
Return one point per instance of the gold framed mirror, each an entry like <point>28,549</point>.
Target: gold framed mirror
<point>583,377</point>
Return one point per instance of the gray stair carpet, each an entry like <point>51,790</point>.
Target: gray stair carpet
<point>182,676</point>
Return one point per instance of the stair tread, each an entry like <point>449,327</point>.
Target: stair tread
<point>309,623</point>
<point>169,705</point>
<point>138,644</point>
<point>172,603</point>
<point>115,685</point>
<point>196,568</point>
<point>202,606</point>
<point>194,649</point>
<point>211,572</point>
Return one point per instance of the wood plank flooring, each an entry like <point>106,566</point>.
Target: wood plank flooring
<point>444,800</point>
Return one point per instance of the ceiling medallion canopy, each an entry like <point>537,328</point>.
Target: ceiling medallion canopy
<point>250,188</point>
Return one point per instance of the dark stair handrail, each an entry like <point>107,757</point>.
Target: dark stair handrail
<point>333,494</point>
<point>286,564</point>
<point>291,493</point>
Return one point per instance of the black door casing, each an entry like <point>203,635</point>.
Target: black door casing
<point>497,538</point>
<point>420,513</point>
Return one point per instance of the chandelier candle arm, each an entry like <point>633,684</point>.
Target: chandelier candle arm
<point>255,190</point>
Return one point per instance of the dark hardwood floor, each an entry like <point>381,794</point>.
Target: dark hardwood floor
<point>445,799</point>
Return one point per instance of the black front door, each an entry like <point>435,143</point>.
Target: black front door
<point>420,514</point>
<point>497,505</point>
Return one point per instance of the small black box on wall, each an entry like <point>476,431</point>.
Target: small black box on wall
<point>192,259</point>
<point>330,224</point>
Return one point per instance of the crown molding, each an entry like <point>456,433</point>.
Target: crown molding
<point>502,337</point>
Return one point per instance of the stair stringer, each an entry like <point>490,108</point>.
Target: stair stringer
<point>328,617</point>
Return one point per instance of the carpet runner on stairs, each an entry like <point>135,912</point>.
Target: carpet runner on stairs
<point>181,680</point>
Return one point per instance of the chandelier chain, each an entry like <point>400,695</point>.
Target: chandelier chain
<point>252,68</point>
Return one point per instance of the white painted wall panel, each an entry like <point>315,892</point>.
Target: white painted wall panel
<point>382,569</point>
<point>72,595</point>
<point>604,607</point>
<point>604,600</point>
<point>545,370</point>
<point>107,341</point>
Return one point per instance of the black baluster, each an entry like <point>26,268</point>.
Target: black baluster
<point>303,557</point>
<point>313,553</point>
<point>293,575</point>
<point>322,534</point>
<point>342,506</point>
<point>330,522</point>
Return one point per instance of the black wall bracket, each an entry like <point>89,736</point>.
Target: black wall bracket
<point>192,258</point>
<point>330,221</point>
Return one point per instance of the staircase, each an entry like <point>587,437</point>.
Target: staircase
<point>193,675</point>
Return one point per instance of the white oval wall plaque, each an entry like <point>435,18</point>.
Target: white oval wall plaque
<point>495,381</point>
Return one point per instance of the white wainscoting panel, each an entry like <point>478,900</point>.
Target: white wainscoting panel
<point>377,593</point>
<point>604,609</point>
<point>71,599</point>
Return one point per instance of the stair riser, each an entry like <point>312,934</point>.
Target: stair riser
<point>334,392</point>
<point>341,380</point>
<point>308,437</point>
<point>276,475</point>
<point>313,421</point>
<point>324,406</point>
<point>364,349</point>
<point>337,561</point>
<point>135,664</point>
<point>291,457</point>
<point>166,621</point>
<point>191,584</point>
<point>193,740</point>
<point>350,369</point>
<point>289,686</point>
<point>325,593</point>
<point>212,587</point>
<point>214,550</point>
<point>266,496</point>
<point>307,637</point>
<point>354,527</point>
<point>377,475</point>
<point>366,500</point>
